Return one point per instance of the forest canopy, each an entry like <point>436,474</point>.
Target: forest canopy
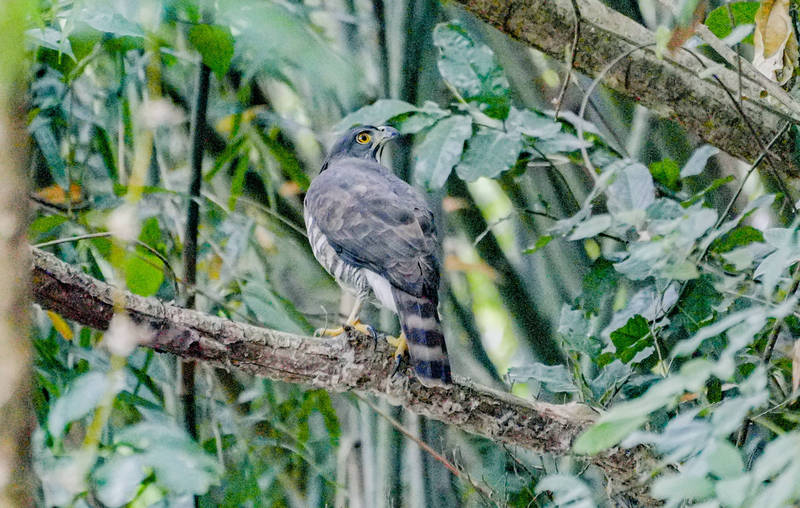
<point>613,184</point>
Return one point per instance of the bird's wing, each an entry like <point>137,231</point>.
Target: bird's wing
<point>375,220</point>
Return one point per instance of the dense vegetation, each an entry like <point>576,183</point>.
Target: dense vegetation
<point>627,268</point>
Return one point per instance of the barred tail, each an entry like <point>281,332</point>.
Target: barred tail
<point>420,322</point>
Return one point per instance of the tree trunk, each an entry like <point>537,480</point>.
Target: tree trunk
<point>16,416</point>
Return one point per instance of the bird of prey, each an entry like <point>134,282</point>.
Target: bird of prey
<point>375,235</point>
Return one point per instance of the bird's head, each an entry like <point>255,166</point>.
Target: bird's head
<point>364,142</point>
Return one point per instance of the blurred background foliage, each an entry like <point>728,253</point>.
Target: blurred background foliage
<point>580,256</point>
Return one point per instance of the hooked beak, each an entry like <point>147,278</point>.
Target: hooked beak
<point>387,134</point>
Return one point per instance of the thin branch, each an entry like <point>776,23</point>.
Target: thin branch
<point>427,448</point>
<point>568,77</point>
<point>343,363</point>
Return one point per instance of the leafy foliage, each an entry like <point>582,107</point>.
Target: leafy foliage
<point>661,297</point>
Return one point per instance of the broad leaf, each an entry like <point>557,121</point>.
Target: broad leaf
<point>698,160</point>
<point>472,69</point>
<point>666,172</point>
<point>215,44</point>
<point>631,338</point>
<point>441,149</point>
<point>489,152</point>
<point>80,399</point>
<point>719,21</point>
<point>377,113</point>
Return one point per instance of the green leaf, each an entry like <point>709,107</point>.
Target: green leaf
<point>719,21</point>
<point>215,45</point>
<point>591,227</point>
<point>46,223</point>
<point>578,332</point>
<point>555,378</point>
<point>422,118</point>
<point>271,310</point>
<point>540,242</point>
<point>560,142</point>
<point>472,69</point>
<point>632,188</point>
<point>377,113</point>
<point>45,138</point>
<point>441,149</point>
<point>568,491</point>
<point>666,172</point>
<point>599,285</point>
<point>80,399</point>
<point>119,478</point>
<point>104,18</point>
<point>605,434</point>
<point>143,273</point>
<point>180,465</point>
<point>631,338</point>
<point>531,124</point>
<point>698,160</point>
<point>489,152</point>
<point>739,237</point>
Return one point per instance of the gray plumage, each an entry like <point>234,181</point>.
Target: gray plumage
<point>375,235</point>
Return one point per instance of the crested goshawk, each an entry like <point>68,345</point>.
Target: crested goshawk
<point>375,235</point>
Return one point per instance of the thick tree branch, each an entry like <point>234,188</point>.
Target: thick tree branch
<point>339,364</point>
<point>671,86</point>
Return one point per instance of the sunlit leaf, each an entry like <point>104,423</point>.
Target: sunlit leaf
<point>215,44</point>
<point>719,21</point>
<point>666,172</point>
<point>143,273</point>
<point>631,338</point>
<point>60,325</point>
<point>591,227</point>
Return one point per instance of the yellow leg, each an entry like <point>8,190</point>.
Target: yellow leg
<point>352,322</point>
<point>400,343</point>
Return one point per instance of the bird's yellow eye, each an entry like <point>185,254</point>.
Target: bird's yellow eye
<point>363,138</point>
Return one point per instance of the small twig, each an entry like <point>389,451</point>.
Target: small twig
<point>584,153</point>
<point>106,234</point>
<point>575,35</point>
<point>768,349</point>
<point>787,195</point>
<point>747,70</point>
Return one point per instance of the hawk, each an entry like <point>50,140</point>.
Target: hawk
<point>375,235</point>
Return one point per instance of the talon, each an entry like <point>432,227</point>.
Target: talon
<point>398,360</point>
<point>329,332</point>
<point>401,345</point>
